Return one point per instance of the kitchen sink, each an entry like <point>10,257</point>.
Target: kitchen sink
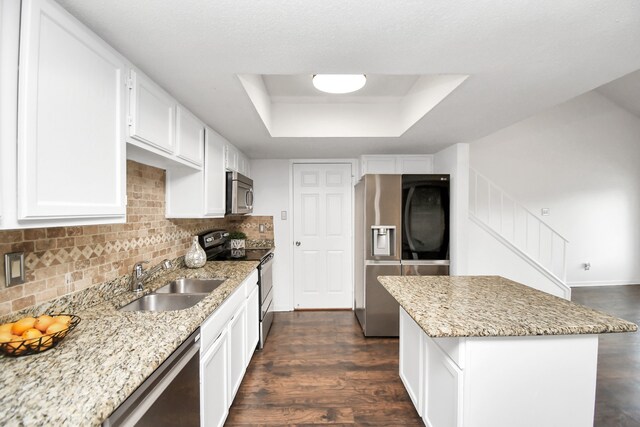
<point>190,286</point>
<point>164,302</point>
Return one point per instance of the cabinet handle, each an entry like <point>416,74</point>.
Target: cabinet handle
<point>298,243</point>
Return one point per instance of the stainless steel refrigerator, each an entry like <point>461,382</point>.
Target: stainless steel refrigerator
<point>401,228</point>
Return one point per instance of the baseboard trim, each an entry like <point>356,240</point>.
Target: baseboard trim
<point>608,283</point>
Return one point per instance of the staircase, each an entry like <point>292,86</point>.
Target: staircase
<point>517,228</point>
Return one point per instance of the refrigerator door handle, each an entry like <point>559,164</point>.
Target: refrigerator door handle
<point>374,262</point>
<point>426,262</point>
<point>405,227</point>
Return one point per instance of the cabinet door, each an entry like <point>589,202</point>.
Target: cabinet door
<point>231,158</point>
<point>379,164</point>
<point>415,164</point>
<point>214,174</point>
<point>411,358</point>
<point>237,352</point>
<point>443,389</point>
<point>152,113</point>
<point>253,322</point>
<point>189,136</point>
<point>71,111</point>
<point>214,383</point>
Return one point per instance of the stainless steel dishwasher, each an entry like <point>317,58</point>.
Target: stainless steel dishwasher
<point>170,396</point>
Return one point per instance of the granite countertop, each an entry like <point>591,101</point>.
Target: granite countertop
<point>486,306</point>
<point>99,364</point>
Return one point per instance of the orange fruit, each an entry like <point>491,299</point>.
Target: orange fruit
<point>56,327</point>
<point>46,342</point>
<point>5,337</point>
<point>65,320</point>
<point>31,336</point>
<point>43,322</point>
<point>15,346</point>
<point>22,325</point>
<point>6,327</point>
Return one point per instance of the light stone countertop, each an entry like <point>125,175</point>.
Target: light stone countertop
<point>487,306</point>
<point>100,363</point>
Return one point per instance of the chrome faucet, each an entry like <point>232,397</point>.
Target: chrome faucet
<point>139,275</point>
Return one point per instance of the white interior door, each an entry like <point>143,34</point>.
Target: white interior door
<point>322,234</point>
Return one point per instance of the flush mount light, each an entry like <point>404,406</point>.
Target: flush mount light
<point>339,83</point>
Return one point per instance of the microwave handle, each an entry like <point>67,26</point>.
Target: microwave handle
<point>249,198</point>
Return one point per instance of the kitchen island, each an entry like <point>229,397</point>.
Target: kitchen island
<point>487,351</point>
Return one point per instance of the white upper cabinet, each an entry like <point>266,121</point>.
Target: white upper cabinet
<point>199,194</point>
<point>152,113</point>
<point>415,164</point>
<point>71,114</point>
<point>378,164</point>
<point>189,137</point>
<point>401,164</point>
<point>231,155</point>
<point>214,174</point>
<point>235,160</point>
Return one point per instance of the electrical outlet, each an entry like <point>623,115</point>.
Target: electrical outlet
<point>545,211</point>
<point>283,215</point>
<point>67,278</point>
<point>261,228</point>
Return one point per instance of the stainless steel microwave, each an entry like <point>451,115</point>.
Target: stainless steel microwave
<point>239,194</point>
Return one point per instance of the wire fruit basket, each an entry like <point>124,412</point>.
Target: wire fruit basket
<point>45,342</point>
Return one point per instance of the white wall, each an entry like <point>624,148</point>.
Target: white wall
<point>581,160</point>
<point>271,186</point>
<point>454,160</point>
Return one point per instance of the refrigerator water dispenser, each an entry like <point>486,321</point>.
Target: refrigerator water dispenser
<point>383,240</point>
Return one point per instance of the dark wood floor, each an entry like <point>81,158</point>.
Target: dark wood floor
<point>317,368</point>
<point>618,385</point>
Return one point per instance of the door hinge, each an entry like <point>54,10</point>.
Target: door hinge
<point>129,83</point>
<point>129,121</point>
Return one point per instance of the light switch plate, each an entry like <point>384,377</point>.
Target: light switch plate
<point>14,268</point>
<point>283,215</point>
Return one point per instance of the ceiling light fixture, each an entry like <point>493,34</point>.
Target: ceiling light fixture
<point>339,83</point>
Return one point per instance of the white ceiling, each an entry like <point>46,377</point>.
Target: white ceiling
<point>625,92</point>
<point>522,57</point>
<point>387,108</point>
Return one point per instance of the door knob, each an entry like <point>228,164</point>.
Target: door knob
<point>297,243</point>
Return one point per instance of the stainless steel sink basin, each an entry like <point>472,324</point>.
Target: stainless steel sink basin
<point>190,286</point>
<point>164,302</point>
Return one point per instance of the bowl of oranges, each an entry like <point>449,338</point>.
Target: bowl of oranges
<point>31,335</point>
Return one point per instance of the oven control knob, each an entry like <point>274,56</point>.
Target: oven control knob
<point>297,243</point>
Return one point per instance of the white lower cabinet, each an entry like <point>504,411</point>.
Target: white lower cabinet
<point>443,388</point>
<point>237,353</point>
<point>524,381</point>
<point>214,392</point>
<point>253,321</point>
<point>226,336</point>
<point>411,350</point>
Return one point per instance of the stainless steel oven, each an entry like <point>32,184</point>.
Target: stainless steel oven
<point>239,194</point>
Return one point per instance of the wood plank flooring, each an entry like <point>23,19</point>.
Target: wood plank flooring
<point>618,384</point>
<point>317,368</point>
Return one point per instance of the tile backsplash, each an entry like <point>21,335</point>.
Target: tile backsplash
<point>62,260</point>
